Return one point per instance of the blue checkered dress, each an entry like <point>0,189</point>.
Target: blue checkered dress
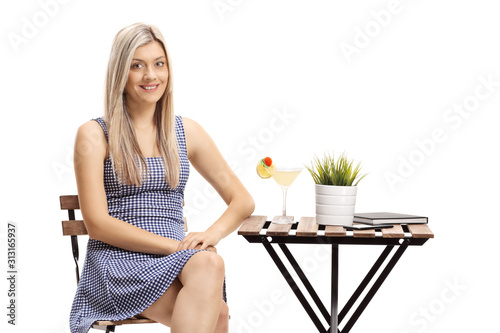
<point>116,284</point>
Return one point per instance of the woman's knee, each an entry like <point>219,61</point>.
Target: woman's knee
<point>209,261</point>
<point>214,262</point>
<point>204,264</point>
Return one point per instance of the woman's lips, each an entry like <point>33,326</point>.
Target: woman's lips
<point>149,87</point>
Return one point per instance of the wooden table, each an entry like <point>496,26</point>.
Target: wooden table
<point>257,229</point>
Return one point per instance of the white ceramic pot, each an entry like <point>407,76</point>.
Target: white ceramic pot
<point>335,204</point>
<point>335,210</point>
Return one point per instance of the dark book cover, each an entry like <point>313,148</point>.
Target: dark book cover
<point>386,217</point>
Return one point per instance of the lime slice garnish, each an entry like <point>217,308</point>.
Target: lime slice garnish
<point>264,171</point>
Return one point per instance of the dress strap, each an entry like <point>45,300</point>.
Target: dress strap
<point>179,131</point>
<point>103,125</point>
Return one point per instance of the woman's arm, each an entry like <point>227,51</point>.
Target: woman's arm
<point>89,156</point>
<point>208,161</point>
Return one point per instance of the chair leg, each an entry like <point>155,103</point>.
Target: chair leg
<point>107,329</point>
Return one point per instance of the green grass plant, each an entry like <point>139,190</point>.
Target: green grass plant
<point>340,172</point>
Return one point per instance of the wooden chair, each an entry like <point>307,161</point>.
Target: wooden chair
<point>75,228</point>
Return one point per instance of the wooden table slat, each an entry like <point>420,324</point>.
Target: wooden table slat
<point>252,225</point>
<point>335,231</point>
<point>370,233</point>
<point>307,227</point>
<point>395,232</point>
<point>420,231</point>
<point>279,229</point>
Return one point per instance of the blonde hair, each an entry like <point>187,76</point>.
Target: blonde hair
<point>125,153</point>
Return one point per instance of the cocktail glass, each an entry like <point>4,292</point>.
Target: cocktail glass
<point>285,177</point>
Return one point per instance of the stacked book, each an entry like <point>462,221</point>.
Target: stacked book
<point>388,218</point>
<point>384,220</point>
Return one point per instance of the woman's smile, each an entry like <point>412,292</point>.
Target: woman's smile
<point>150,87</point>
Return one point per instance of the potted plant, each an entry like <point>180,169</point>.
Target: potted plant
<point>335,189</point>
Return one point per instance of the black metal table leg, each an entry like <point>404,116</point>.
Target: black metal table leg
<point>335,289</point>
<point>305,281</point>
<point>376,286</point>
<point>335,318</point>
<point>293,285</point>
<point>365,282</point>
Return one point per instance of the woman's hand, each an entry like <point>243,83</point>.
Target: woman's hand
<point>200,241</point>
<point>209,248</point>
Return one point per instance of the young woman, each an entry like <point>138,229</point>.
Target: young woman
<point>131,169</point>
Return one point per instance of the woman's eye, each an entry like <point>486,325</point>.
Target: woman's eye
<point>137,65</point>
<point>160,64</point>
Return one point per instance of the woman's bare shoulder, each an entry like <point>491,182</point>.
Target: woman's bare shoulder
<point>189,124</point>
<point>196,136</point>
<point>192,126</point>
<point>91,135</point>
<point>90,127</point>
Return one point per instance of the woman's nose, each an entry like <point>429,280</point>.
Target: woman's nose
<point>150,73</point>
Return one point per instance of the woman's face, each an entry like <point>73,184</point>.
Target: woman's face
<point>148,76</point>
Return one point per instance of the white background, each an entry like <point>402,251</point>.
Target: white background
<point>235,69</point>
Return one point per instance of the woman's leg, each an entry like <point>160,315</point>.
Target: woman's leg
<point>223,321</point>
<point>193,302</point>
<point>161,310</point>
<point>198,303</point>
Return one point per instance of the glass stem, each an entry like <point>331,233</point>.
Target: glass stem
<point>284,201</point>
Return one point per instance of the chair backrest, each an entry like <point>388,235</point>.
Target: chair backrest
<point>73,227</point>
